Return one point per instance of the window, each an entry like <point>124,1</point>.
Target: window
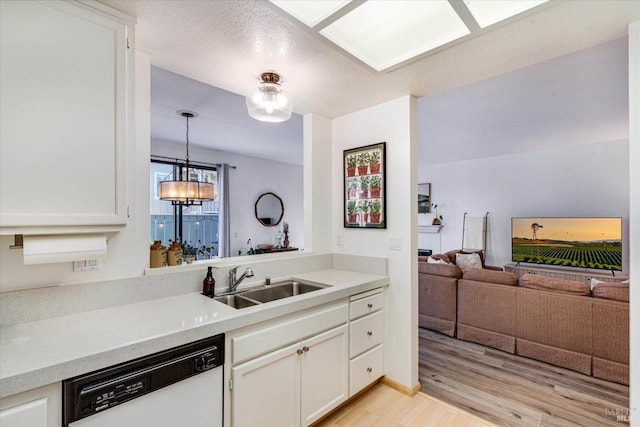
<point>196,225</point>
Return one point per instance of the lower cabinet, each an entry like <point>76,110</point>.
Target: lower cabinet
<point>293,386</point>
<point>290,372</point>
<point>41,407</point>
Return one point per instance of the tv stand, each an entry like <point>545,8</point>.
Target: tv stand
<point>564,273</point>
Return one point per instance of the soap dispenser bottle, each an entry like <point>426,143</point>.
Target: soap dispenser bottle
<point>209,283</point>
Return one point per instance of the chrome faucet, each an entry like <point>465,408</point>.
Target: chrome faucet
<point>233,282</point>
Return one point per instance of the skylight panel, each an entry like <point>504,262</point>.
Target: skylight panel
<point>385,33</point>
<point>310,12</point>
<point>488,12</point>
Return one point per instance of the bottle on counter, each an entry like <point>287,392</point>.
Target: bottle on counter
<point>157,255</point>
<point>209,283</point>
<point>174,254</point>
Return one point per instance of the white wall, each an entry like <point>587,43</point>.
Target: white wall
<point>583,180</point>
<point>252,177</point>
<point>128,250</point>
<point>394,123</point>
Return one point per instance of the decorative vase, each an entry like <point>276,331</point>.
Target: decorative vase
<point>174,254</point>
<point>157,255</point>
<point>188,258</point>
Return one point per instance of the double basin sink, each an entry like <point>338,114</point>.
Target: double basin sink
<point>267,293</point>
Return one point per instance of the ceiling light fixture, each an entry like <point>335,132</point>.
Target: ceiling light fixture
<point>187,190</point>
<point>267,103</point>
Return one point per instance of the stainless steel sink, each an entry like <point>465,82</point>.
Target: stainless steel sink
<point>235,301</point>
<point>267,293</point>
<point>280,290</point>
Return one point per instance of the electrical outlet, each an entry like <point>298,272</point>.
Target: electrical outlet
<point>339,240</point>
<point>86,265</point>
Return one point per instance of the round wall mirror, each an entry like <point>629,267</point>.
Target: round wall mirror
<point>269,209</point>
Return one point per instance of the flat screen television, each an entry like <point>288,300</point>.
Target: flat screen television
<point>569,242</point>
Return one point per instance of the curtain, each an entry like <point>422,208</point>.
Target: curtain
<point>224,230</point>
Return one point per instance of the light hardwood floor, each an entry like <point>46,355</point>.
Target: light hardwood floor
<point>382,406</point>
<point>509,390</point>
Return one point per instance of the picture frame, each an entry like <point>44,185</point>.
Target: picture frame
<point>364,176</point>
<point>424,198</point>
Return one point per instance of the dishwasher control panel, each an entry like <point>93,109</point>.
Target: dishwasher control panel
<point>98,391</point>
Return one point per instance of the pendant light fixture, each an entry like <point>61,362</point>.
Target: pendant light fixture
<point>185,191</point>
<point>268,103</point>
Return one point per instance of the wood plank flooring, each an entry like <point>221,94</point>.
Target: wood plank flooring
<point>509,390</point>
<point>382,406</point>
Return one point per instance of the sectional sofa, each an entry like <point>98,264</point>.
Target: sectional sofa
<point>561,322</point>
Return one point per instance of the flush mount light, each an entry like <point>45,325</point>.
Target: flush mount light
<point>311,12</point>
<point>268,103</point>
<point>187,189</point>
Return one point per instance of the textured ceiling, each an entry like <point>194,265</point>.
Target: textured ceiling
<point>228,44</point>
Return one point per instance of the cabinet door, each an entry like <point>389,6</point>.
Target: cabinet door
<point>66,80</point>
<point>41,407</point>
<point>324,373</point>
<point>266,390</point>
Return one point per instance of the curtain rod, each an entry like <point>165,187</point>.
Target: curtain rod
<point>181,161</point>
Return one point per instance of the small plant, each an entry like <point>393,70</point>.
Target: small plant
<point>351,161</point>
<point>375,181</point>
<point>188,249</point>
<point>375,206</point>
<point>351,207</point>
<point>374,158</point>
<point>363,159</point>
<point>364,182</point>
<point>437,218</point>
<point>204,250</point>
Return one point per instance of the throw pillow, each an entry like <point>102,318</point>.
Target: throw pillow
<point>613,291</point>
<point>465,261</point>
<point>432,260</point>
<point>594,282</point>
<point>535,281</point>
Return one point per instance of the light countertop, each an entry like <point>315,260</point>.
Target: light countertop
<point>46,351</point>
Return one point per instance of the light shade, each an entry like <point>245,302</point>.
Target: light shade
<point>186,192</point>
<point>268,103</point>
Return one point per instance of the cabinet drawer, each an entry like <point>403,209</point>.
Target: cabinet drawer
<point>265,339</point>
<point>365,369</point>
<point>365,305</point>
<point>366,333</point>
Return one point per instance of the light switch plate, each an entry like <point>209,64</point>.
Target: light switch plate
<point>395,243</point>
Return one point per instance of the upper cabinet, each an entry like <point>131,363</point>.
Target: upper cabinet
<point>66,78</point>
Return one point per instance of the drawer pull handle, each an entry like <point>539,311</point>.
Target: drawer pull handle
<point>369,370</point>
<point>305,349</point>
<point>369,333</point>
<point>299,351</point>
<point>370,305</point>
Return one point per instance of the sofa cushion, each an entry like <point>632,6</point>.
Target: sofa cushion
<point>452,255</point>
<point>443,257</point>
<point>468,261</point>
<point>534,281</point>
<point>613,291</point>
<point>444,270</point>
<point>491,276</point>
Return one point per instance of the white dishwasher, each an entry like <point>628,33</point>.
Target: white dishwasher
<point>177,387</point>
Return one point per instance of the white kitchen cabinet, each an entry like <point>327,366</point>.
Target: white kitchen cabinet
<point>66,78</point>
<point>41,407</point>
<point>366,326</point>
<point>290,372</point>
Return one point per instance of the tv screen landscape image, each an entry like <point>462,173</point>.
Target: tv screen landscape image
<point>570,242</point>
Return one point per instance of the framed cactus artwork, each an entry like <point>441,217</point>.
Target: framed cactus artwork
<point>364,187</point>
